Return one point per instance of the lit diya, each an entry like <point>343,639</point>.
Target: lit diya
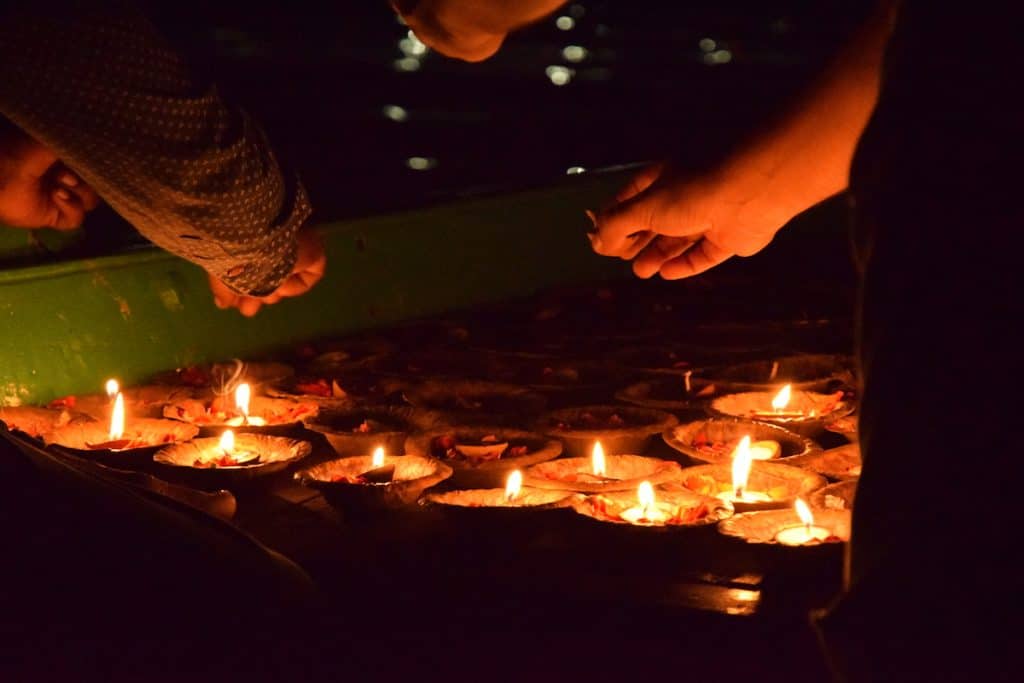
<point>804,412</point>
<point>120,441</point>
<point>374,482</point>
<point>646,507</point>
<point>715,440</point>
<point>483,457</point>
<point>838,496</point>
<point>835,463</point>
<point>242,411</point>
<point>470,402</point>
<point>230,458</point>
<point>36,422</point>
<point>141,401</point>
<point>352,431</point>
<point>751,485</point>
<point>621,429</point>
<point>796,526</point>
<point>513,495</point>
<point>601,473</point>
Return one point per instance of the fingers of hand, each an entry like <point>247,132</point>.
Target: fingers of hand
<point>640,242</point>
<point>702,256</point>
<point>663,249</point>
<point>70,211</point>
<point>248,306</point>
<point>640,182</point>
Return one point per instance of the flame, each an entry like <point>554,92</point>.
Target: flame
<point>514,485</point>
<point>112,388</point>
<point>243,394</point>
<point>781,399</point>
<point>645,496</point>
<point>227,442</point>
<point>741,463</point>
<point>378,458</point>
<point>804,512</point>
<point>597,460</point>
<point>117,418</point>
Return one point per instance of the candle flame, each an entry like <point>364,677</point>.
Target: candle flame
<point>597,458</point>
<point>227,442</point>
<point>781,399</point>
<point>742,460</point>
<point>645,497</point>
<point>112,388</point>
<point>804,512</point>
<point>686,379</point>
<point>378,457</point>
<point>117,418</point>
<point>514,485</point>
<point>243,394</point>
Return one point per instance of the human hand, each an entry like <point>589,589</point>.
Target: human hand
<point>310,263</point>
<point>678,224</point>
<point>36,189</point>
<point>466,29</point>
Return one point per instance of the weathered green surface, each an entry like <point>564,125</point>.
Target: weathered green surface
<point>69,326</point>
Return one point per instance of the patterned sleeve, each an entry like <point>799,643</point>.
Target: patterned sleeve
<point>96,83</point>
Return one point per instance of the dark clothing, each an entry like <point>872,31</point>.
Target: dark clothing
<point>935,182</point>
<point>95,82</point>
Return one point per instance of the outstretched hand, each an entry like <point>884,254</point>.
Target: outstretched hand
<point>678,224</point>
<point>310,264</point>
<point>36,189</point>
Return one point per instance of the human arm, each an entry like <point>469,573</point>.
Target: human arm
<point>95,83</point>
<point>679,224</point>
<point>471,30</point>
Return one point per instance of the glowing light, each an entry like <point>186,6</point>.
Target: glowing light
<point>781,399</point>
<point>243,396</point>
<point>741,464</point>
<point>117,418</point>
<point>804,513</point>
<point>227,442</point>
<point>112,388</point>
<point>412,46</point>
<point>559,75</point>
<point>597,460</point>
<point>395,113</point>
<point>565,23</point>
<point>645,497</point>
<point>407,64</point>
<point>717,57</point>
<point>378,458</point>
<point>707,45</point>
<point>575,170</point>
<point>421,163</point>
<point>514,485</point>
<point>574,53</point>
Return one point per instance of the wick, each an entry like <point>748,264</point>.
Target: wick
<point>686,376</point>
<point>738,493</point>
<point>775,370</point>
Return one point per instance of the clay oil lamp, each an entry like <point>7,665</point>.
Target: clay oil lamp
<point>846,426</point>
<point>749,484</point>
<point>682,394</point>
<point>333,389</point>
<point>367,484</point>
<point>36,421</point>
<point>600,473</point>
<point>838,496</point>
<point>836,463</point>
<point>714,441</point>
<point>222,377</point>
<point>230,459</point>
<point>564,382</point>
<point>646,507</point>
<point>513,496</point>
<point>121,441</point>
<point>820,373</point>
<point>472,403</point>
<point>620,429</point>
<point>242,412</point>
<point>804,412</point>
<point>343,355</point>
<point>140,401</point>
<point>796,526</point>
<point>355,430</point>
<point>433,365</point>
<point>483,457</point>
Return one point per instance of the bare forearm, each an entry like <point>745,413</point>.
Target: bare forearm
<point>805,158</point>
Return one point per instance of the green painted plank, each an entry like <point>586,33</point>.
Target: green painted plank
<point>70,325</point>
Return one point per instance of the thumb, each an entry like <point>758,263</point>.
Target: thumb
<point>619,225</point>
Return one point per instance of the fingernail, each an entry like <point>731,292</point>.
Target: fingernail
<point>63,195</point>
<point>69,179</point>
<point>593,219</point>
